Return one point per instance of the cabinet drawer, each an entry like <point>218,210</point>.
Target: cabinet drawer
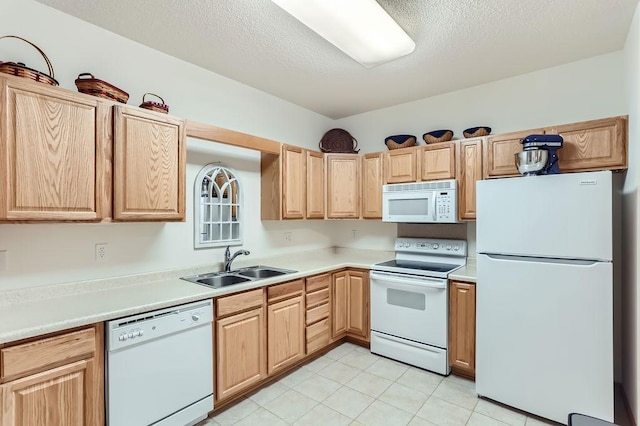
<point>46,353</point>
<point>318,282</point>
<point>284,291</point>
<point>317,297</point>
<point>238,302</point>
<point>317,313</point>
<point>318,336</point>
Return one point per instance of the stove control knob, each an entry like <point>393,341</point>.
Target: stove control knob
<point>448,247</point>
<point>122,337</point>
<point>131,335</point>
<point>140,333</point>
<point>456,247</point>
<point>436,246</point>
<point>195,317</point>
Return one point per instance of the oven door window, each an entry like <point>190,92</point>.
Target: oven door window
<point>406,299</point>
<point>409,207</point>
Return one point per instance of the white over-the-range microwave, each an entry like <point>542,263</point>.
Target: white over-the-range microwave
<point>420,202</point>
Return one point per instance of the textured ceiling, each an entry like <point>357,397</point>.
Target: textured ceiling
<point>459,43</point>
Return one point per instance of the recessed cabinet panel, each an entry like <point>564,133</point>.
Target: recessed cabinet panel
<point>372,179</point>
<point>149,166</point>
<point>315,185</point>
<point>343,186</point>
<point>294,183</point>
<point>437,161</point>
<point>469,171</point>
<point>400,165</point>
<point>52,155</point>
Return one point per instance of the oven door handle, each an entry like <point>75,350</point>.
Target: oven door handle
<point>415,282</point>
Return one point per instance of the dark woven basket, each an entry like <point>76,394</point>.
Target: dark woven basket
<point>154,106</point>
<point>21,70</point>
<point>400,141</point>
<point>438,136</point>
<point>338,141</point>
<point>475,132</point>
<point>99,88</point>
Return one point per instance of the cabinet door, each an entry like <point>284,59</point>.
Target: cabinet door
<point>315,185</point>
<point>53,154</point>
<point>285,322</point>
<point>437,161</point>
<point>339,300</point>
<point>469,170</point>
<point>240,352</point>
<point>358,303</point>
<point>499,153</point>
<point>343,186</point>
<point>462,327</point>
<point>400,165</point>
<point>149,165</point>
<point>593,145</point>
<point>54,397</point>
<point>294,182</point>
<point>372,179</point>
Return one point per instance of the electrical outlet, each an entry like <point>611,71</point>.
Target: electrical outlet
<point>287,237</point>
<point>101,252</point>
<point>3,260</point>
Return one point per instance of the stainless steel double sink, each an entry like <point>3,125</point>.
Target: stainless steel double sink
<point>238,276</point>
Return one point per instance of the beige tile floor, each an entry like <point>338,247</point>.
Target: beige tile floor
<point>351,386</point>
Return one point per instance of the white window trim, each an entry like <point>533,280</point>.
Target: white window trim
<point>197,200</point>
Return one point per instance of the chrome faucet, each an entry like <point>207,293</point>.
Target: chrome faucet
<point>228,258</point>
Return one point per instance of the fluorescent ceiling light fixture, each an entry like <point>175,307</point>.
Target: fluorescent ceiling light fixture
<point>360,28</point>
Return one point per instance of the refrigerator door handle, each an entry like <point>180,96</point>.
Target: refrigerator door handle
<point>510,258</point>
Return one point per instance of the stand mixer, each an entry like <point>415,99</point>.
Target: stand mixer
<point>539,155</point>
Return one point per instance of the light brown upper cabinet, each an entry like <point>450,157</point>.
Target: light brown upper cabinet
<point>499,153</point>
<point>468,171</point>
<point>315,185</point>
<point>437,161</point>
<point>54,147</point>
<point>400,165</point>
<point>294,182</point>
<point>593,145</point>
<point>343,186</point>
<point>149,165</point>
<point>588,145</point>
<point>372,178</point>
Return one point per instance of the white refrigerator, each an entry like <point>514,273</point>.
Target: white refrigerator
<point>544,325</point>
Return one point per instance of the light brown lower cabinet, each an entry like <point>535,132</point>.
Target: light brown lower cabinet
<point>240,343</point>
<point>285,326</point>
<point>318,317</point>
<point>54,381</point>
<point>462,328</point>
<point>350,303</point>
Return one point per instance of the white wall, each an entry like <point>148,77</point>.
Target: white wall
<point>582,90</point>
<point>631,376</point>
<point>45,254</point>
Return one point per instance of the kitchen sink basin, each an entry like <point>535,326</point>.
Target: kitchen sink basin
<point>223,279</point>
<point>259,272</point>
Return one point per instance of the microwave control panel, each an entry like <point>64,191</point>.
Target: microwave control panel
<point>446,209</point>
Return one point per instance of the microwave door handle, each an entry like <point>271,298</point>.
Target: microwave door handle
<point>433,205</point>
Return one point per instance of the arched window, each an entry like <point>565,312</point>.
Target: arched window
<point>218,207</point>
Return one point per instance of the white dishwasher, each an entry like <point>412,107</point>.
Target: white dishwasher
<point>160,367</point>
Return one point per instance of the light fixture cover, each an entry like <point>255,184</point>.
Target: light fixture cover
<point>360,28</point>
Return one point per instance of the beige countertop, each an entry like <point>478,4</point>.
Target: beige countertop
<point>466,273</point>
<point>40,310</point>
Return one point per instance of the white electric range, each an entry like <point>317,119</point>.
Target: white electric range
<point>410,299</point>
